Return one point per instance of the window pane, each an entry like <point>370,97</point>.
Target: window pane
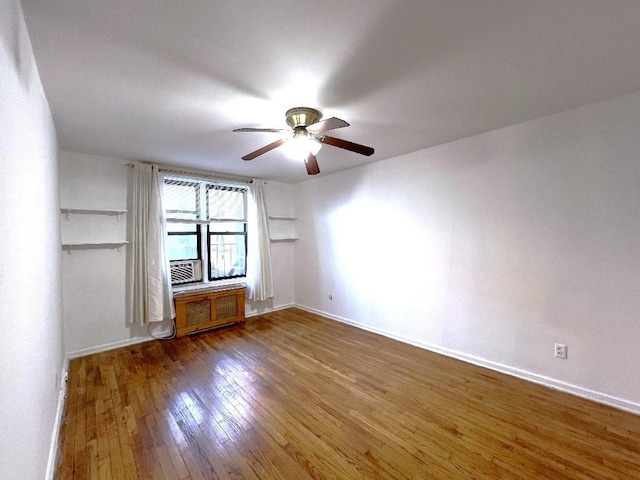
<point>226,227</point>
<point>181,199</point>
<point>182,247</point>
<point>182,227</point>
<point>227,255</point>
<point>225,203</point>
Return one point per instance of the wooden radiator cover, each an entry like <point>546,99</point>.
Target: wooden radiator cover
<point>208,309</point>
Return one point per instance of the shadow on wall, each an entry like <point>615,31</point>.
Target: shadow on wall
<point>17,45</point>
<point>258,308</point>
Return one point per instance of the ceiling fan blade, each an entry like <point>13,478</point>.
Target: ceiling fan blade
<point>312,164</point>
<point>328,124</point>
<point>265,149</point>
<point>275,130</point>
<point>354,147</point>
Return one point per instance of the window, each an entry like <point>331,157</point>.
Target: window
<point>183,242</point>
<point>206,225</point>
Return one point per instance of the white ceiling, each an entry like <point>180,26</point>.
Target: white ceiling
<point>167,80</point>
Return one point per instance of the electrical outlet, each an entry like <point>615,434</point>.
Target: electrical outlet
<point>560,350</point>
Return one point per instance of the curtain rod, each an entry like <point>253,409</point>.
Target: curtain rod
<point>201,173</point>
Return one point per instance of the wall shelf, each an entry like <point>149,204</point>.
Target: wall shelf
<point>80,229</point>
<point>68,246</point>
<point>282,228</point>
<point>91,211</point>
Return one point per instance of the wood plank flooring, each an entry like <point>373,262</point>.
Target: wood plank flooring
<point>291,395</point>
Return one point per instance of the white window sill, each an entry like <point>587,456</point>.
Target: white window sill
<point>209,285</point>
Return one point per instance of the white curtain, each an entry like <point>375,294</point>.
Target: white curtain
<point>150,294</point>
<point>259,275</point>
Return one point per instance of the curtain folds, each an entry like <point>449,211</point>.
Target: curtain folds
<point>259,274</point>
<point>150,293</point>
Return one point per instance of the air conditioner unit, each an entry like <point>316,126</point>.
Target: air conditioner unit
<point>185,271</point>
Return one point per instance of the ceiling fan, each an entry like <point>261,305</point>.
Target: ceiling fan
<point>306,137</point>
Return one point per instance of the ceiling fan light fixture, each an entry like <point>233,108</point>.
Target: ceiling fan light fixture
<point>299,146</point>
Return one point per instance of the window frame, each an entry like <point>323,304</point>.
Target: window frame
<point>243,234</point>
<point>203,217</point>
<point>186,182</point>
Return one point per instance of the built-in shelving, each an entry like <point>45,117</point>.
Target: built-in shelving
<point>90,244</point>
<point>282,228</point>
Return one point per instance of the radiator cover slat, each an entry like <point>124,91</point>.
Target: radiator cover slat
<point>199,312</point>
<point>226,307</point>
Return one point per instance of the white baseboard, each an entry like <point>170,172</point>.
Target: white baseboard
<point>549,382</point>
<point>269,310</point>
<point>57,424</point>
<point>108,346</point>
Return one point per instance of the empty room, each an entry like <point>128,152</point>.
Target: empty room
<point>320,240</point>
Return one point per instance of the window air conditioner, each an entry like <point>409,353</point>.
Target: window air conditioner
<point>185,271</point>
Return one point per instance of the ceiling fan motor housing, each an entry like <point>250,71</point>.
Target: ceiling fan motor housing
<point>307,142</point>
<point>302,117</point>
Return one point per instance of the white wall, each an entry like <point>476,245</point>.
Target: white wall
<point>94,280</point>
<point>30,293</point>
<point>493,248</point>
<point>279,199</point>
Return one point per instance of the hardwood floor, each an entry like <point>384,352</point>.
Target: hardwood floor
<point>291,395</point>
